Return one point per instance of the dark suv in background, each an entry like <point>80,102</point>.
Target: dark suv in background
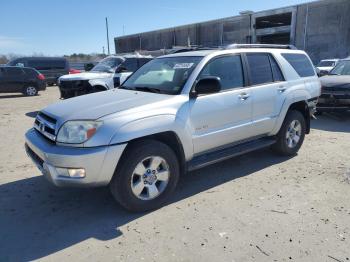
<point>21,80</point>
<point>51,67</point>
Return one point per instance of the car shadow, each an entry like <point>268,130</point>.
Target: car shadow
<point>15,96</point>
<point>38,219</point>
<point>32,114</point>
<point>332,122</point>
<point>12,96</point>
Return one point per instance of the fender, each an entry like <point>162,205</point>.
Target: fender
<point>299,95</point>
<point>154,125</point>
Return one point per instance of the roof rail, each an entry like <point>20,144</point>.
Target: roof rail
<point>233,46</point>
<point>193,48</point>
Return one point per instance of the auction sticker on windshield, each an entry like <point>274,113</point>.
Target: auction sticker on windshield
<point>183,65</point>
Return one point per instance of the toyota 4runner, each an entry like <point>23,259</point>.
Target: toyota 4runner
<point>177,113</point>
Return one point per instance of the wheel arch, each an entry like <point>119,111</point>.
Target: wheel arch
<point>169,138</point>
<point>303,108</point>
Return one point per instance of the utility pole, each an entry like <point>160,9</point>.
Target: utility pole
<point>103,50</point>
<point>107,37</point>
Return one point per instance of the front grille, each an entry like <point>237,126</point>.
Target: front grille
<point>46,125</point>
<point>38,161</point>
<point>74,88</point>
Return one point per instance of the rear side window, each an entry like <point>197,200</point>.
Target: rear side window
<point>14,71</point>
<point>301,64</point>
<point>276,70</point>
<point>228,69</point>
<point>130,64</point>
<point>259,69</point>
<point>143,61</point>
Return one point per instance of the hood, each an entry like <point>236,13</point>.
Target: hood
<point>85,76</point>
<point>325,68</point>
<point>342,81</point>
<point>97,105</point>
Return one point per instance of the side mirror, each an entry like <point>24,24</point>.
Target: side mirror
<point>121,69</point>
<point>207,85</point>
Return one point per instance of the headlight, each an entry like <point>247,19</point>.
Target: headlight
<point>77,132</point>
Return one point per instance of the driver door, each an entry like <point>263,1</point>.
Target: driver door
<point>226,117</point>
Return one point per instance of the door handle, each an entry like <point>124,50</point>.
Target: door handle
<point>244,96</point>
<point>281,89</point>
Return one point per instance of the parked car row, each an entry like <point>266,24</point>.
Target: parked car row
<point>51,67</point>
<point>176,113</point>
<point>114,70</point>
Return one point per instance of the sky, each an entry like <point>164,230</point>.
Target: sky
<point>59,27</point>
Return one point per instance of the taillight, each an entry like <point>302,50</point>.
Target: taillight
<point>41,77</point>
<point>74,71</point>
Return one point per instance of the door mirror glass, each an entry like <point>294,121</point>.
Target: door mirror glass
<point>207,85</point>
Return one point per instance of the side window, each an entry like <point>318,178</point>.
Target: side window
<point>14,71</point>
<point>130,64</point>
<point>228,69</point>
<point>47,64</point>
<point>301,64</point>
<point>2,72</point>
<point>259,69</point>
<point>276,70</point>
<point>143,61</point>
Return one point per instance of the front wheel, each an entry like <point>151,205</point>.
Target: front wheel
<point>146,176</point>
<point>291,135</point>
<point>30,91</point>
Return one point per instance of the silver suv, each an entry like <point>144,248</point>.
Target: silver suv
<point>177,113</point>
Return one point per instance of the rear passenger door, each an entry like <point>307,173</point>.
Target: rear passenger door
<point>222,118</point>
<point>267,86</point>
<point>14,79</point>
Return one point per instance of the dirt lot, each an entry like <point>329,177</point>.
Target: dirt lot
<point>257,207</point>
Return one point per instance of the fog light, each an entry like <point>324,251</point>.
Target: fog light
<point>77,173</point>
<point>71,172</point>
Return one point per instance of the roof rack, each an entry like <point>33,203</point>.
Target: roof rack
<point>191,48</point>
<point>233,46</point>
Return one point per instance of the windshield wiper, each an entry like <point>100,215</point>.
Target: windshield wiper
<point>126,88</point>
<point>147,89</point>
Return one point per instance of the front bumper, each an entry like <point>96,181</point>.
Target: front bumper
<point>99,163</point>
<point>333,102</point>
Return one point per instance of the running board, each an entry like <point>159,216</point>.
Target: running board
<point>227,153</point>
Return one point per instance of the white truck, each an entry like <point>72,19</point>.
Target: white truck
<point>177,113</point>
<point>109,73</point>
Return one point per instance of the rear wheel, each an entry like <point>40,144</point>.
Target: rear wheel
<point>30,91</point>
<point>147,175</point>
<point>291,135</point>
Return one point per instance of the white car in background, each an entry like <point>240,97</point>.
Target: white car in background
<point>109,73</point>
<point>325,66</point>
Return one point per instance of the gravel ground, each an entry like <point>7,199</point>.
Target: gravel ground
<point>258,207</point>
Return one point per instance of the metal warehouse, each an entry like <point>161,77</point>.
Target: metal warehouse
<point>322,28</point>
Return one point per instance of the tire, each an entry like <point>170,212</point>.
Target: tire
<point>30,91</point>
<point>133,184</point>
<point>289,140</point>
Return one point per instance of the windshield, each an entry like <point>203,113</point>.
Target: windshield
<point>342,68</point>
<point>163,75</point>
<point>326,64</point>
<point>107,65</point>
